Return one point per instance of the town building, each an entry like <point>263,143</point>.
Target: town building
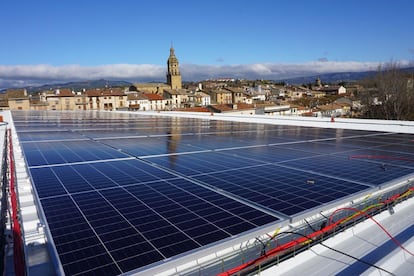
<point>60,99</point>
<point>333,90</point>
<point>176,98</point>
<point>107,99</point>
<point>201,98</point>
<point>156,102</point>
<point>17,99</point>
<point>220,96</point>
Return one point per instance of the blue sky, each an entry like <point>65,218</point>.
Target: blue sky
<point>51,41</point>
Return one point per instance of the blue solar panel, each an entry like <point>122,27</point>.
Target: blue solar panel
<point>152,224</point>
<point>282,189</point>
<point>48,135</point>
<point>351,169</point>
<point>122,191</point>
<point>89,203</point>
<point>62,152</point>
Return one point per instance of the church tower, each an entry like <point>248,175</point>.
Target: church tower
<point>173,74</point>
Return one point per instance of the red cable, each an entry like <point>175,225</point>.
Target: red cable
<point>19,264</point>
<point>380,225</point>
<point>328,228</point>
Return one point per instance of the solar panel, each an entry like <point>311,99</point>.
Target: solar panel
<point>48,135</point>
<point>122,191</point>
<point>62,152</point>
<point>165,214</point>
<point>282,189</point>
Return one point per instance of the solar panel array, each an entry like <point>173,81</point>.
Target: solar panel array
<point>122,191</point>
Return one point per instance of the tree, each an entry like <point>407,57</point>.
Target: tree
<point>393,92</point>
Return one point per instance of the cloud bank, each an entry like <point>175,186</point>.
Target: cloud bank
<point>33,75</point>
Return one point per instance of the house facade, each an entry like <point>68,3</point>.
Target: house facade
<point>17,99</point>
<point>107,99</point>
<point>220,96</point>
<point>176,98</point>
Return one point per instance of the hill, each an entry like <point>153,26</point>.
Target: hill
<point>338,77</point>
<point>332,77</point>
<point>79,85</point>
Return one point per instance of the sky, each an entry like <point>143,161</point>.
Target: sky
<point>49,41</point>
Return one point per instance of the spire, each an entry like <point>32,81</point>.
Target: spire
<point>172,54</point>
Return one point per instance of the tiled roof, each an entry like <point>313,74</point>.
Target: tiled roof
<point>114,92</point>
<point>222,107</point>
<point>137,96</point>
<point>62,93</point>
<point>153,97</point>
<point>93,92</point>
<point>16,93</point>
<point>194,109</point>
<point>220,91</point>
<point>327,107</point>
<point>235,89</point>
<point>105,92</point>
<point>244,106</point>
<point>230,107</point>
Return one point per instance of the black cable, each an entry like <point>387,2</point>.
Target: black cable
<point>346,254</point>
<point>263,252</point>
<point>324,215</point>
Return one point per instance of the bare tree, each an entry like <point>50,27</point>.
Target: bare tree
<point>394,92</point>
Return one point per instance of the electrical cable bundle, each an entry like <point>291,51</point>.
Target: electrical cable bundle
<point>329,227</point>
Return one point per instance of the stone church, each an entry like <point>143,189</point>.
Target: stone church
<point>173,78</point>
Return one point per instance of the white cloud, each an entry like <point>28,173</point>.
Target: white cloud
<point>70,72</point>
<point>25,75</point>
<point>274,71</point>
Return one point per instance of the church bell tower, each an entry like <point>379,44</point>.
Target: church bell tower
<point>173,74</point>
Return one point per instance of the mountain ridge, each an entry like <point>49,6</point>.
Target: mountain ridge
<point>77,85</point>
<point>325,78</point>
<point>337,77</point>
